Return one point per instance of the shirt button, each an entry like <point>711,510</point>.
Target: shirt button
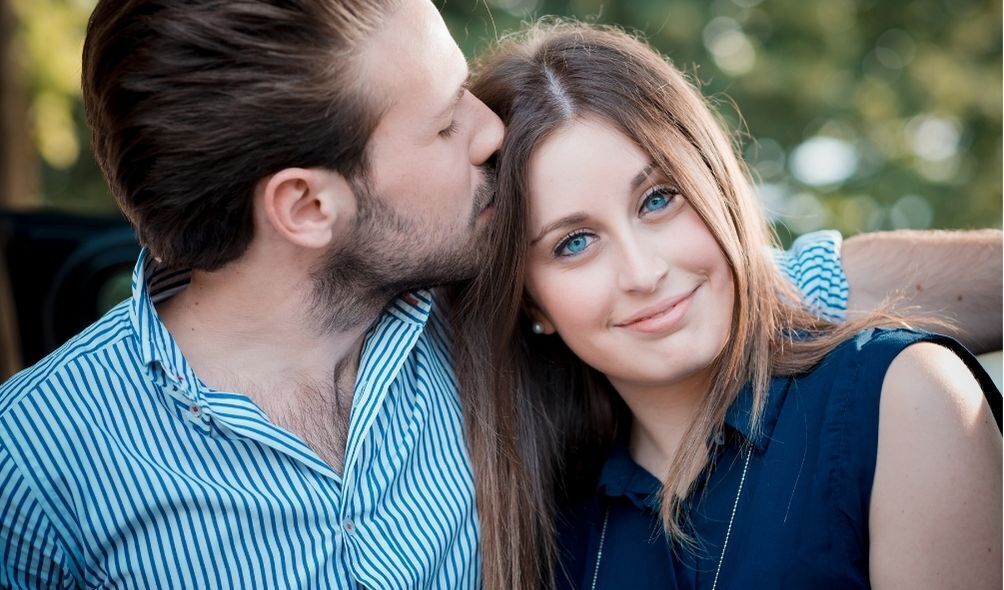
<point>348,526</point>
<point>195,410</point>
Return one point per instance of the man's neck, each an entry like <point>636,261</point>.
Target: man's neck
<point>237,327</point>
<point>244,333</point>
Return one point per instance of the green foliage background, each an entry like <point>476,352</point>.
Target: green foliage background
<point>855,114</point>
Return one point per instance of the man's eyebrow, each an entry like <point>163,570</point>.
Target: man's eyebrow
<point>572,219</point>
<point>456,100</point>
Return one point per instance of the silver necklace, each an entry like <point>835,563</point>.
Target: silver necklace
<point>725,543</point>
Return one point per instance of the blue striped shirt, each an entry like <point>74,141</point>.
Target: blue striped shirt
<point>813,265</point>
<point>119,468</point>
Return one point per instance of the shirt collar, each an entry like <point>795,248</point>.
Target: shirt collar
<point>738,416</point>
<point>413,307</point>
<point>622,477</point>
<point>154,282</point>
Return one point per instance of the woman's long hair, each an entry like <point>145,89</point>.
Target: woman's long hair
<point>545,419</point>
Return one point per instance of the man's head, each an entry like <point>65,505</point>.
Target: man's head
<point>425,203</point>
<point>191,103</point>
<point>334,124</point>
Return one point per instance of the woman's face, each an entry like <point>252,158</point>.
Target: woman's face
<point>620,265</point>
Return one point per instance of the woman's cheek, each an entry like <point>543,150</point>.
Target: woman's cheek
<point>577,302</point>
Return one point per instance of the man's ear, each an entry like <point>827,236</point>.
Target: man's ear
<point>308,207</point>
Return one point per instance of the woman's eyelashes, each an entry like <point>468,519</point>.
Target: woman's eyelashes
<point>659,198</point>
<point>656,200</point>
<point>573,244</point>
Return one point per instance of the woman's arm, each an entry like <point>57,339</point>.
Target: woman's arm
<point>935,515</point>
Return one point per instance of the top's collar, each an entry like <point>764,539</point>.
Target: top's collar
<point>622,476</point>
<point>738,416</point>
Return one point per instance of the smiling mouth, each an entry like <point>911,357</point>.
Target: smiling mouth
<point>662,316</point>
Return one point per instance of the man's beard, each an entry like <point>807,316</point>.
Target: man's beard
<point>387,254</point>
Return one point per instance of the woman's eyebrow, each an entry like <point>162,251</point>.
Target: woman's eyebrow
<point>575,218</point>
<point>572,219</point>
<point>641,176</point>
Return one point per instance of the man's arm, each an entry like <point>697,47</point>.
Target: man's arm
<point>951,275</point>
<point>32,554</point>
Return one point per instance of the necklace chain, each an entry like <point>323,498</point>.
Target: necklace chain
<point>599,554</point>
<point>728,531</point>
<point>725,543</point>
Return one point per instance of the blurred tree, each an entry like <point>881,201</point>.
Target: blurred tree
<point>18,168</point>
<point>855,114</point>
<point>51,36</point>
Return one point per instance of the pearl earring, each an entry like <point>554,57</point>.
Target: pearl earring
<point>537,327</point>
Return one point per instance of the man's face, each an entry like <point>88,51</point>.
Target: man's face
<point>426,203</point>
<point>428,152</point>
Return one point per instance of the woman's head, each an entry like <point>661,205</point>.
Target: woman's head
<point>619,264</point>
<point>696,233</point>
<point>601,125</point>
<point>556,86</point>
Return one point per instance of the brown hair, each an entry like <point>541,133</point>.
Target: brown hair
<point>192,103</point>
<point>555,416</point>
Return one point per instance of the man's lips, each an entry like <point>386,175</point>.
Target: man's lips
<point>653,312</point>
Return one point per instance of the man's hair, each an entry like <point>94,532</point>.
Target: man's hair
<point>192,102</point>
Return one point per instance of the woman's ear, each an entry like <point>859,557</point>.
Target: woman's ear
<point>539,322</point>
<point>307,206</point>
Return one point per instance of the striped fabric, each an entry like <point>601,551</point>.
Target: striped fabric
<point>813,264</point>
<point>118,468</point>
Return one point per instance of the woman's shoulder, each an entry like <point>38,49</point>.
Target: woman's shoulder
<point>872,351</point>
<point>847,391</point>
<point>928,374</point>
<point>890,360</point>
<point>938,470</point>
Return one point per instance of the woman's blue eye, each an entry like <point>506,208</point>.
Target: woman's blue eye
<point>658,199</point>
<point>573,244</point>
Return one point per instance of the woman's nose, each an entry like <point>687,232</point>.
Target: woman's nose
<point>642,268</point>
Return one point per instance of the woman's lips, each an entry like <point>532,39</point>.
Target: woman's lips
<point>661,317</point>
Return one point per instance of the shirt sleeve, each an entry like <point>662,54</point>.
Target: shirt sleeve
<point>813,265</point>
<point>31,555</point>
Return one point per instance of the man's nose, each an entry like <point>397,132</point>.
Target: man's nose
<point>488,134</point>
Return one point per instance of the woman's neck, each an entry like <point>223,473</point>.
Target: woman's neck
<point>660,417</point>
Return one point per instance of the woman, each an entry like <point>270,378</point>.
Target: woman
<point>697,427</point>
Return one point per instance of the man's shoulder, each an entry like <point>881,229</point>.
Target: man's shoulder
<point>70,369</point>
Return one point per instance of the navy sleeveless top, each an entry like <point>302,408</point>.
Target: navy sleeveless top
<point>802,518</point>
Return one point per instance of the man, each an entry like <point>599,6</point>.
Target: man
<point>268,410</point>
